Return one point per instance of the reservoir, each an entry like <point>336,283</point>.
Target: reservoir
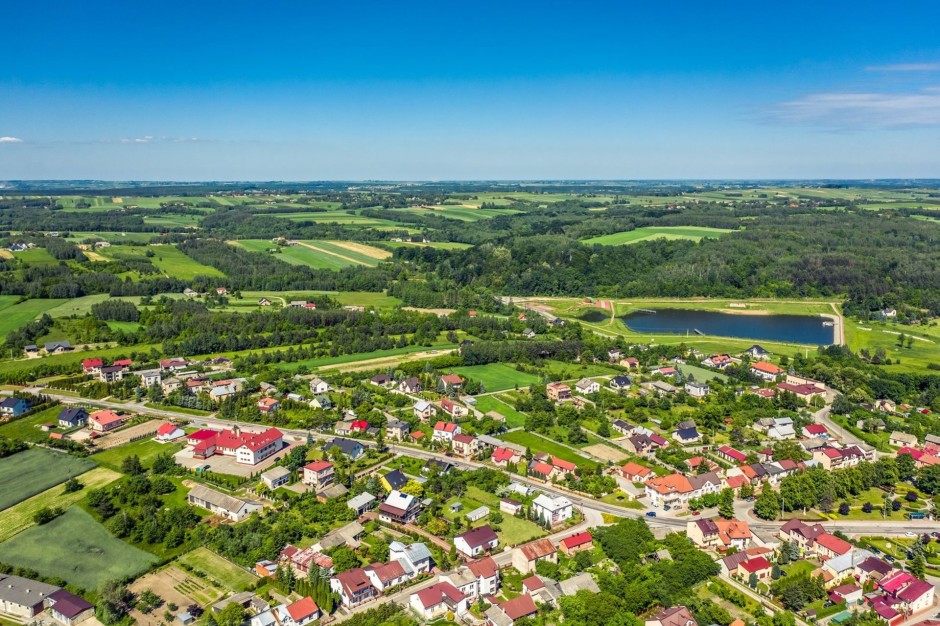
<point>806,329</point>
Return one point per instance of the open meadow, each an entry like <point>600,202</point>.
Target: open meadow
<point>32,471</point>
<point>693,233</point>
<point>497,376</point>
<point>76,548</point>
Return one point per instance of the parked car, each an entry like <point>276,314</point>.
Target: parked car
<point>651,514</point>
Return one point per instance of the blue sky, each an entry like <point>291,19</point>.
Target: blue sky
<point>305,90</point>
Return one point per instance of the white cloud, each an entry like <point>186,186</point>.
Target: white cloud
<point>10,140</point>
<point>861,110</point>
<point>905,67</point>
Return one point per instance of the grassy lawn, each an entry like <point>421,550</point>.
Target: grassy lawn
<point>494,403</point>
<point>77,548</point>
<point>171,261</point>
<point>571,371</point>
<point>497,376</point>
<point>540,444</point>
<point>32,471</point>
<point>27,428</point>
<point>621,499</point>
<point>701,374</point>
<point>147,449</point>
<point>896,546</point>
<point>925,348</point>
<point>36,256</point>
<point>19,517</point>
<point>694,233</point>
<point>215,567</point>
<point>18,315</point>
<point>513,530</point>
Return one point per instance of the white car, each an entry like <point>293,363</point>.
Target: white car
<point>910,534</point>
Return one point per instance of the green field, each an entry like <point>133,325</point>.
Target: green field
<point>363,356</point>
<point>498,376</point>
<point>694,233</point>
<point>925,347</point>
<point>440,245</point>
<point>19,517</point>
<point>337,217</point>
<point>540,444</point>
<point>701,374</point>
<point>493,403</point>
<point>76,548</point>
<point>147,449</point>
<point>35,256</point>
<point>14,316</point>
<point>295,255</point>
<point>172,262</point>
<point>513,530</point>
<point>32,471</point>
<point>214,566</point>
<point>368,299</point>
<point>465,213</point>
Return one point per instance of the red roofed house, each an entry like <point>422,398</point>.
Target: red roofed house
<point>91,366</point>
<point>268,405</point>
<point>541,469</point>
<point>517,608</point>
<point>815,430</point>
<point>476,541</point>
<point>466,445</point>
<point>802,534</point>
<point>558,392</point>
<point>359,426</point>
<point>636,473</point>
<point>526,556</point>
<point>579,542</point>
<point>454,409</point>
<point>445,431</point>
<point>730,454</point>
<point>438,600</point>
<point>759,566</point>
<point>248,448</point>
<point>563,467</point>
<point>123,363</point>
<point>804,392</point>
<point>169,432</point>
<point>353,586</point>
<point>303,611</point>
<point>103,421</point>
<point>829,546</point>
<point>906,593</point>
<point>452,381</point>
<point>501,457</point>
<point>319,474</point>
<point>386,575</point>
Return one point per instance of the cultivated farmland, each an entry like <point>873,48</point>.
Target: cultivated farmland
<point>76,548</point>
<point>693,233</point>
<point>44,469</point>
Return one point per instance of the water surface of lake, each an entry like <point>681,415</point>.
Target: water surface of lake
<point>807,329</point>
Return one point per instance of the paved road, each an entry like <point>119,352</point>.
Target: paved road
<point>586,504</point>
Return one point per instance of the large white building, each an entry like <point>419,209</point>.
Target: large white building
<point>552,510</point>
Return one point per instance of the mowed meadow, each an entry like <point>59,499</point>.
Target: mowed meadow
<point>693,233</point>
<point>331,255</point>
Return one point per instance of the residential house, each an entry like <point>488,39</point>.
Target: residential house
<point>832,458</point>
<point>619,383</point>
<point>525,557</point>
<point>361,503</point>
<point>814,430</point>
<point>476,542</point>
<point>23,598</point>
<point>352,449</point>
<point>173,364</point>
<point>72,417</point>
<point>645,444</point>
<point>805,392</point>
<point>676,489</point>
<point>587,386</point>
<point>636,473</point>
<point>149,378</point>
<point>454,409</point>
<point>696,390</point>
<point>104,421</point>
<point>718,361</point>
<point>902,440</point>
<point>782,429</point>
<point>318,474</point>
<point>686,435</point>
<point>506,613</point>
<point>353,586</point>
<point>452,381</point>
<point>630,363</point>
<point>730,454</point>
<point>229,507</point>
<point>268,405</point>
<point>411,385</point>
<point>305,561</point>
<point>503,457</point>
<point>551,510</point>
<point>673,616</point>
<point>848,594</point>
<point>386,575</point>
<point>510,506</point>
<point>846,564</point>
<point>719,534</point>
<point>872,569</point>
<point>757,566</point>
<point>438,600</point>
<point>660,387</point>
<point>623,427</point>
<point>578,542</point>
<point>466,445</point>
<point>476,578</point>
<point>767,371</point>
<point>424,410</point>
<point>399,508</point>
<point>445,431</point>
<point>318,386</point>
<point>802,534</point>
<point>57,347</point>
<point>559,392</point>
<point>829,546</point>
<point>169,432</point>
<point>90,367</point>
<point>381,380</point>
<point>415,557</point>
<point>757,352</point>
<point>393,480</point>
<point>397,429</point>
<point>906,593</point>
